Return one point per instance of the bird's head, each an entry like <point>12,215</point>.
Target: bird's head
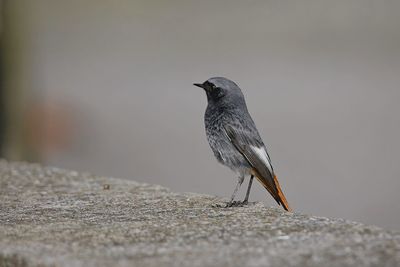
<point>221,90</point>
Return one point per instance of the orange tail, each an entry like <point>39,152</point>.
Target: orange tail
<point>275,190</point>
<point>282,198</point>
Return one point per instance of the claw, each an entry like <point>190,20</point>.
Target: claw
<point>234,204</point>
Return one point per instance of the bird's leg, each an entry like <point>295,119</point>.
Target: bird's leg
<point>246,199</point>
<point>240,181</point>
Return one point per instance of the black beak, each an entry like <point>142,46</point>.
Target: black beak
<point>199,85</point>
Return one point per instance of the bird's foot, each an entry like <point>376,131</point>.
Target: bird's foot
<point>235,204</point>
<point>232,204</point>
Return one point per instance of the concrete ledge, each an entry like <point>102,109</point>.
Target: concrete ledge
<point>54,217</point>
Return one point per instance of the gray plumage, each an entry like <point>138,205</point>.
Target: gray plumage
<point>234,138</point>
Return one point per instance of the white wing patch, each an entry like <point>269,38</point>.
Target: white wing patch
<point>262,154</point>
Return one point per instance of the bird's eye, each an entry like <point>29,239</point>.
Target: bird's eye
<point>209,85</point>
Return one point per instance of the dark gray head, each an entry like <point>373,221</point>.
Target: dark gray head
<point>222,91</point>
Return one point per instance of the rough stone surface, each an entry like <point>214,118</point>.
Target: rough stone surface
<point>54,217</point>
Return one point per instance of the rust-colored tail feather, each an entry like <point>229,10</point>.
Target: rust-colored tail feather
<point>276,192</point>
<point>282,198</point>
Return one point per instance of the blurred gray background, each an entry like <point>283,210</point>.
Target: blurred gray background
<point>106,87</point>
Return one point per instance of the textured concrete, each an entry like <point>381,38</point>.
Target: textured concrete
<point>54,217</point>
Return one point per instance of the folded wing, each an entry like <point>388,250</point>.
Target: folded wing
<point>256,155</point>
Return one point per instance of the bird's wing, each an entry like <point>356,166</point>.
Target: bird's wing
<point>255,153</point>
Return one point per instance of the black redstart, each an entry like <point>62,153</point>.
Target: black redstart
<point>234,139</point>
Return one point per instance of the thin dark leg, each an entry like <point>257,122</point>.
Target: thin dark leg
<point>246,199</point>
<point>240,181</point>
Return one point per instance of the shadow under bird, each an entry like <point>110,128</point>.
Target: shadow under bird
<point>235,141</point>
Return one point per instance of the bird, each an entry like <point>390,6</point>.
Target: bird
<point>235,140</point>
